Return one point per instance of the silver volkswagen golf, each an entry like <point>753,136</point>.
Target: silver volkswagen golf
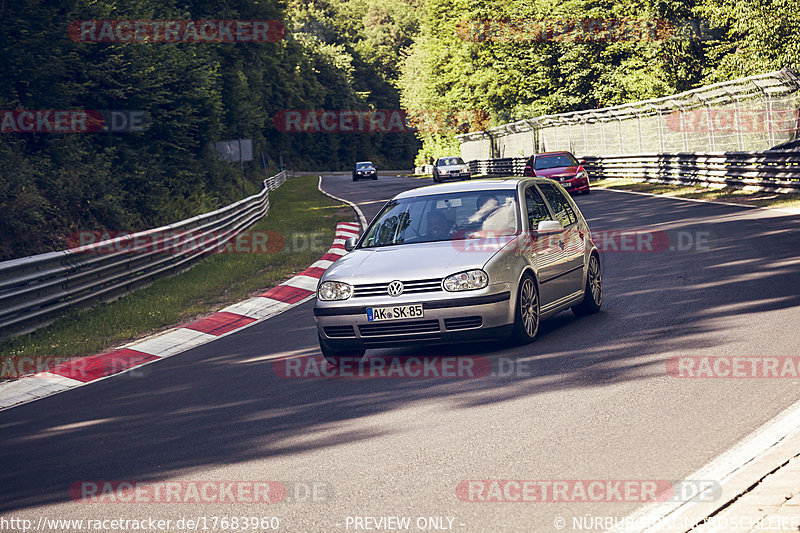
<point>483,259</point>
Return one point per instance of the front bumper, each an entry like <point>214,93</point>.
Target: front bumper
<point>456,319</point>
<point>575,185</point>
<point>454,175</point>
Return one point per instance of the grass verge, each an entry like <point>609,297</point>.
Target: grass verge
<point>304,217</point>
<point>723,194</point>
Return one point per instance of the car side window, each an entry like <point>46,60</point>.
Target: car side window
<point>561,208</point>
<point>537,210</point>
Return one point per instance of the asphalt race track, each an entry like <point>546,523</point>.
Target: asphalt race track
<point>591,399</point>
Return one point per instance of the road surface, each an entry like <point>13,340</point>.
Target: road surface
<point>591,399</point>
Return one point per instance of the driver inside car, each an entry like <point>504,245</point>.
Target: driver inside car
<point>438,226</point>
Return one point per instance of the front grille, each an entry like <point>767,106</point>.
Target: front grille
<point>399,328</point>
<point>339,331</point>
<point>463,322</point>
<point>409,287</point>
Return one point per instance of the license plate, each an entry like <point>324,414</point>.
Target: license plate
<point>398,312</point>
<point>567,185</point>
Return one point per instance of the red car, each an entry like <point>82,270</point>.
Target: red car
<point>559,166</point>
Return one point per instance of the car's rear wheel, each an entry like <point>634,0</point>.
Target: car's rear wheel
<point>593,292</point>
<point>334,357</point>
<point>526,316</point>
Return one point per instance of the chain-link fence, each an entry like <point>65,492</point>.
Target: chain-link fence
<point>749,114</point>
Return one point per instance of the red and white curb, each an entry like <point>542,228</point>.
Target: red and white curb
<point>79,372</point>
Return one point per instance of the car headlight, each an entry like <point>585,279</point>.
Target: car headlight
<point>334,290</point>
<point>581,175</point>
<point>466,281</point>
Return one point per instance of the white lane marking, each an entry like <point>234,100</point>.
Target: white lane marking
<point>44,384</point>
<point>28,389</point>
<point>721,469</point>
<point>171,342</point>
<point>257,307</point>
<point>303,282</point>
<point>361,217</point>
<point>322,263</point>
<point>790,210</point>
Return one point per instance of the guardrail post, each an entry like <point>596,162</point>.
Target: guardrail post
<point>737,123</point>
<point>710,127</point>
<point>770,126</point>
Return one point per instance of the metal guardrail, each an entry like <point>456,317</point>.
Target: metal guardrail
<point>37,289</point>
<point>771,169</point>
<point>507,166</point>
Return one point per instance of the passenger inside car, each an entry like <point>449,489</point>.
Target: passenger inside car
<point>486,204</point>
<point>495,217</point>
<point>503,219</point>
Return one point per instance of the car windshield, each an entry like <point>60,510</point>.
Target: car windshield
<point>362,166</point>
<point>447,161</point>
<point>442,217</point>
<point>555,161</point>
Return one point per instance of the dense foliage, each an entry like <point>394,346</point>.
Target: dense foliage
<point>458,63</point>
<point>421,55</point>
<point>335,55</point>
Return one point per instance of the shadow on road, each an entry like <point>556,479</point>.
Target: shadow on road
<point>222,403</point>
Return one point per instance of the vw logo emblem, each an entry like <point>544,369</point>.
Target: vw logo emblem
<point>395,288</point>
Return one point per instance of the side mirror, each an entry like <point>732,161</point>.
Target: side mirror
<point>349,244</point>
<point>582,162</point>
<point>545,227</point>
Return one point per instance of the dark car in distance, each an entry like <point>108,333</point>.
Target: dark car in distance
<point>561,167</point>
<point>364,169</point>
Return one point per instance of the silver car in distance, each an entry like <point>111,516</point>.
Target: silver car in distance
<point>479,259</point>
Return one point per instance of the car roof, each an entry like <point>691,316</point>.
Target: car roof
<point>471,185</point>
<point>551,153</point>
<point>362,162</point>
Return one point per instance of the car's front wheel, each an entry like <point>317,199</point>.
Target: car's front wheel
<point>593,292</point>
<point>334,357</point>
<point>526,316</point>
